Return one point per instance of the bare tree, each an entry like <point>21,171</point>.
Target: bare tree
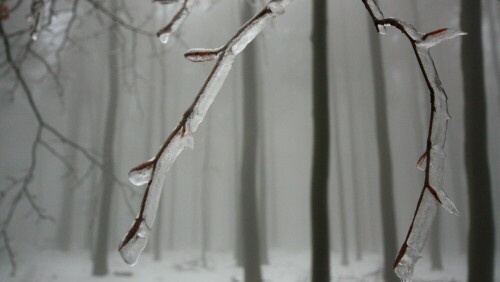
<point>100,262</point>
<point>385,158</point>
<point>481,229</point>
<point>321,148</point>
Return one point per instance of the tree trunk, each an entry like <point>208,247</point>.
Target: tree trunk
<point>205,200</point>
<point>262,177</point>
<point>65,226</point>
<point>321,146</point>
<point>481,232</point>
<point>385,159</point>
<point>100,265</point>
<point>249,215</point>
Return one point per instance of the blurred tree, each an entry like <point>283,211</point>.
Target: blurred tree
<point>385,158</point>
<point>320,267</point>
<point>481,230</point>
<point>249,214</point>
<point>100,262</point>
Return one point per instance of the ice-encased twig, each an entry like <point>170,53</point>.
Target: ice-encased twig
<point>174,24</point>
<point>153,172</point>
<point>432,161</point>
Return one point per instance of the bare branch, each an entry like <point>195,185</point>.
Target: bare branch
<point>154,171</point>
<point>432,161</point>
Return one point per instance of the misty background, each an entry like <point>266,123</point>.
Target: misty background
<point>197,237</point>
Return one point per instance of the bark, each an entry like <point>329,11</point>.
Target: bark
<point>100,263</point>
<point>249,215</point>
<point>481,232</point>
<point>385,159</point>
<point>321,146</point>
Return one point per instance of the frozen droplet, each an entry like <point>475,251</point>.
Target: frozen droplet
<point>34,36</point>
<point>141,174</point>
<point>132,249</point>
<point>164,37</point>
<point>276,8</point>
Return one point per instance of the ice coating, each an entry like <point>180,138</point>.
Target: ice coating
<point>165,32</point>
<point>434,37</point>
<point>415,241</point>
<point>141,174</point>
<point>155,171</point>
<point>422,162</point>
<point>131,251</point>
<point>432,161</point>
<point>202,55</point>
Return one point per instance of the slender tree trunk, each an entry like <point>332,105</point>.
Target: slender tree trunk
<point>100,265</point>
<point>385,158</point>
<point>251,245</point>
<point>481,232</point>
<point>205,200</point>
<point>65,227</point>
<point>262,177</point>
<point>354,168</point>
<point>340,162</point>
<point>321,148</point>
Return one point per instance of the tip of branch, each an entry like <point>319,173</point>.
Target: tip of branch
<point>202,55</point>
<point>437,36</point>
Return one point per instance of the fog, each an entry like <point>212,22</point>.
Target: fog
<point>62,149</point>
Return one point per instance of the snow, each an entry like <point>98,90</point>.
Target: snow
<point>286,266</point>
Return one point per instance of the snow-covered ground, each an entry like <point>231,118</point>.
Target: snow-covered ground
<point>285,266</point>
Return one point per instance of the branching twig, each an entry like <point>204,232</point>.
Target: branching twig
<point>432,161</point>
<point>153,172</point>
<point>174,24</point>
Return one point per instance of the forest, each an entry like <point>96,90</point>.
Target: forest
<point>327,140</point>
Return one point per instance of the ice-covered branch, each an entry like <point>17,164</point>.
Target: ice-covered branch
<point>432,161</point>
<point>174,24</point>
<point>153,172</point>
